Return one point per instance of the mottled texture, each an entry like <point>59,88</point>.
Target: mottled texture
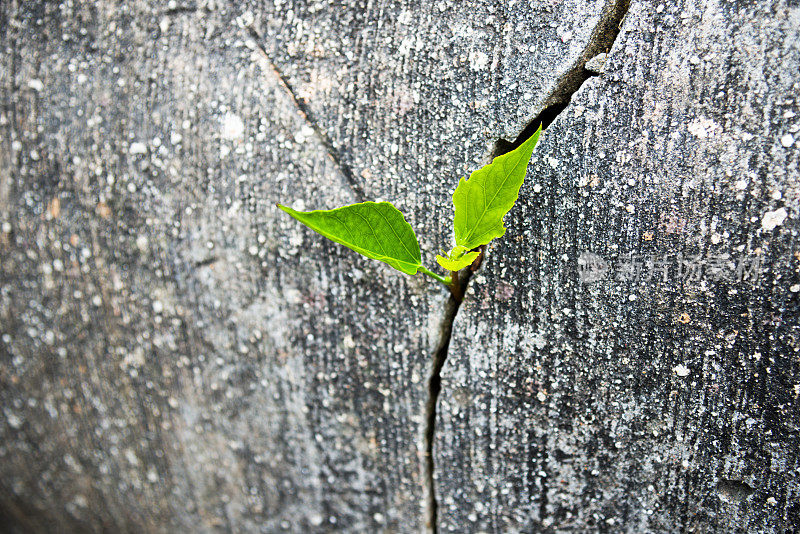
<point>662,405</point>
<point>177,354</point>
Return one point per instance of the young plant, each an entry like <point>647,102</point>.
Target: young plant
<point>379,231</point>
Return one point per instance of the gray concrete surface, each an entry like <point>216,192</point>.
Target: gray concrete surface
<point>178,355</point>
<point>650,400</point>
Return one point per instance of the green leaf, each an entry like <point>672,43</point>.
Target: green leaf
<point>482,201</point>
<point>459,258</point>
<point>375,229</point>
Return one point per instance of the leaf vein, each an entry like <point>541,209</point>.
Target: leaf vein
<point>497,192</point>
<point>397,236</point>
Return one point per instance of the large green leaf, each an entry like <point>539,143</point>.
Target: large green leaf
<point>375,229</point>
<point>482,201</point>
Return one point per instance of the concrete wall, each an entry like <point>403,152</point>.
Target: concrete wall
<point>179,356</point>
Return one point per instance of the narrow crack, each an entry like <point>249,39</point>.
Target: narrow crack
<point>601,41</point>
<point>305,113</point>
<point>434,388</point>
<point>603,37</point>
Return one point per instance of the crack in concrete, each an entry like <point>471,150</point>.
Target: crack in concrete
<point>602,39</point>
<point>434,388</point>
<point>305,113</point>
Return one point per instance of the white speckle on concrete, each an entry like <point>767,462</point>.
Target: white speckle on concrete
<point>232,127</point>
<point>787,140</point>
<point>681,370</point>
<point>405,47</point>
<point>299,205</point>
<point>478,60</point>
<point>13,420</point>
<point>702,127</point>
<point>152,476</point>
<point>773,219</point>
<point>305,132</point>
<point>131,457</point>
<point>794,288</point>
<point>135,358</point>
<point>137,148</point>
<point>541,396</point>
<point>36,85</point>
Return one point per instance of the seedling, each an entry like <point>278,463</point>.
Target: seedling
<point>379,231</point>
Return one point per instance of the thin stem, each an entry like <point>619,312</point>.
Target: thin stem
<point>455,286</point>
<point>445,281</point>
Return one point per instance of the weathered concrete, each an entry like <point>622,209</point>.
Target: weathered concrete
<point>668,405</point>
<point>175,353</point>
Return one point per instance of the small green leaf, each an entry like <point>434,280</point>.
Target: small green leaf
<point>458,258</point>
<point>482,201</point>
<point>375,229</point>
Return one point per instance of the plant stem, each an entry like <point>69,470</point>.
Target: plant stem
<point>455,286</point>
<point>442,279</point>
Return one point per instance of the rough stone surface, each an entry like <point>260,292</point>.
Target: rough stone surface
<point>178,355</point>
<point>626,404</point>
